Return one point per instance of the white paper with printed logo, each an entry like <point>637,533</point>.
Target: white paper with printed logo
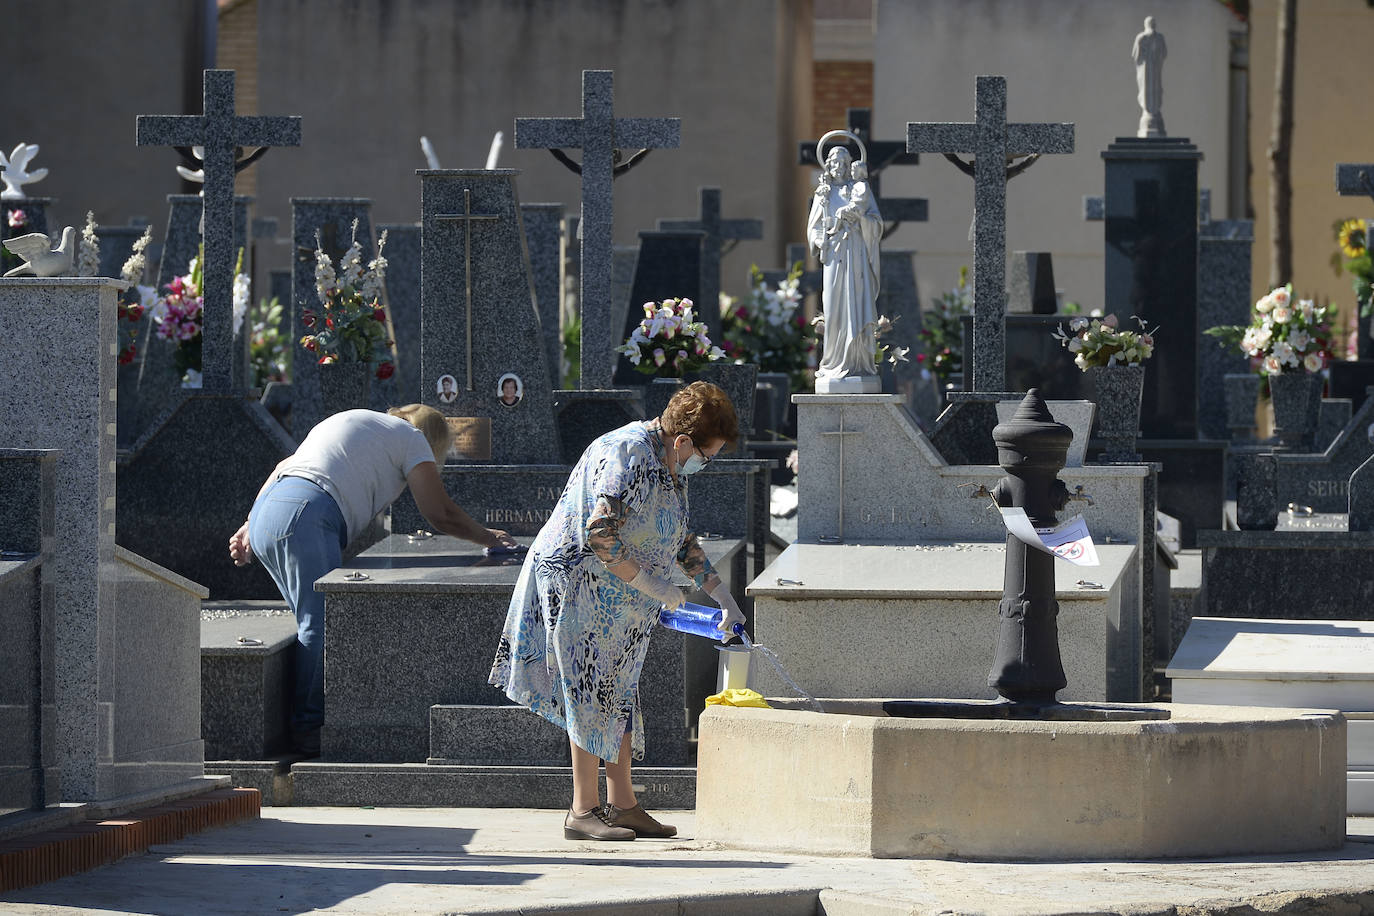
<point>1068,540</point>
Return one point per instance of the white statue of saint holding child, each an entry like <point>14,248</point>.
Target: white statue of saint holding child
<point>845,229</point>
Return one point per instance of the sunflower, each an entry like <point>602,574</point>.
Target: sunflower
<point>1351,238</point>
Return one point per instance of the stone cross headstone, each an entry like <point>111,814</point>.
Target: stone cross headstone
<point>543,237</point>
<point>717,232</point>
<point>599,134</point>
<point>881,154</point>
<point>220,133</point>
<point>991,140</point>
<point>479,324</point>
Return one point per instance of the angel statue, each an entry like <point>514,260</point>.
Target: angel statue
<point>15,171</point>
<point>845,228</point>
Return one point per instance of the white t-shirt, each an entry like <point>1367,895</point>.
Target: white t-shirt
<point>361,458</point>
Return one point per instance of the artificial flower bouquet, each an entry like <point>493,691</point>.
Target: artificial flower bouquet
<point>1283,335</point>
<point>669,341</point>
<point>352,326</point>
<point>1101,341</point>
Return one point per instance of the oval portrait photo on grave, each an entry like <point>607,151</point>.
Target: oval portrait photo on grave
<point>509,389</point>
<point>446,388</point>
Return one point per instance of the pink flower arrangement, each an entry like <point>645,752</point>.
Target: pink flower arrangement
<point>178,313</point>
<point>17,219</point>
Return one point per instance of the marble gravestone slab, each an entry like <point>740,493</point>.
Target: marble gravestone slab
<point>151,384</point>
<point>403,304</point>
<point>28,751</point>
<point>1321,481</point>
<point>543,225</point>
<point>669,267</point>
<point>479,323</point>
<point>332,218</point>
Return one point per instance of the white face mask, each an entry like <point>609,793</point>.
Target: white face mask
<point>693,464</point>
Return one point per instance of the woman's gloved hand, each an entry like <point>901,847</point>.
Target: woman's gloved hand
<point>660,589</point>
<point>733,615</point>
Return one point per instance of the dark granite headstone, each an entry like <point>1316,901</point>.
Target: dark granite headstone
<point>1333,416</point>
<point>543,227</point>
<point>116,245</point>
<point>623,261</point>
<point>1152,269</point>
<point>898,300</point>
<point>597,134</point>
<point>152,383</point>
<point>332,218</point>
<point>1031,284</point>
<point>403,301</point>
<point>1191,481</point>
<point>669,267</point>
<point>1352,379</point>
<point>1223,298</point>
<point>1360,509</point>
<point>189,483</point>
<point>1287,574</point>
<point>584,415</point>
<point>717,232</point>
<point>220,134</point>
<point>1321,481</point>
<point>1035,359</point>
<point>479,323</point>
<point>1255,476</point>
<point>991,140</point>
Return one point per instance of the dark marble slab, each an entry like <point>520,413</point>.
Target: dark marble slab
<point>1302,574</point>
<point>246,666</point>
<point>669,267</point>
<point>1191,481</point>
<point>1321,480</point>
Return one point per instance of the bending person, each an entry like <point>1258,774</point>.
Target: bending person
<point>350,467</point>
<point>589,595</point>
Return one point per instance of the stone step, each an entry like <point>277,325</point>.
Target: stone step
<point>425,785</point>
<point>246,663</point>
<point>469,735</point>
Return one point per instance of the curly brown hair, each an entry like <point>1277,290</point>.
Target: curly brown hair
<point>704,412</point>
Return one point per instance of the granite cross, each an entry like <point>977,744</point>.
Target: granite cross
<point>1355,179</point>
<point>599,134</point>
<point>718,231</point>
<point>881,154</point>
<point>467,218</point>
<point>991,140</point>
<point>840,436</point>
<point>220,132</point>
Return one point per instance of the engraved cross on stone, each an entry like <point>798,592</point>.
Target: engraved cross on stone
<point>881,154</point>
<point>840,436</point>
<point>467,218</point>
<point>718,231</point>
<point>220,132</point>
<point>598,133</point>
<point>991,140</point>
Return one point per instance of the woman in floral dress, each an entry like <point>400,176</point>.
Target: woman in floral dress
<point>589,594</point>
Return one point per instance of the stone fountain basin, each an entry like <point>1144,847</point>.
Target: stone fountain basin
<point>1205,781</point>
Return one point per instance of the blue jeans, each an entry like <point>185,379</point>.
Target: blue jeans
<point>299,534</point>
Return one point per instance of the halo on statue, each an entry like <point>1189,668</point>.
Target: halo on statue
<point>820,145</point>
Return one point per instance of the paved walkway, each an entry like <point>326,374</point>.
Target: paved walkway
<point>444,860</point>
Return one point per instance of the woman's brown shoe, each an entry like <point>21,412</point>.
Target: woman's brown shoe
<point>638,820</point>
<point>593,826</point>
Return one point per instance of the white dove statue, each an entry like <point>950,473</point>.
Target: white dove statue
<point>40,258</point>
<point>15,171</point>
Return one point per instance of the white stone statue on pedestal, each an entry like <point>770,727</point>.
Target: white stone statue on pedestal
<point>16,172</point>
<point>1148,52</point>
<point>845,229</point>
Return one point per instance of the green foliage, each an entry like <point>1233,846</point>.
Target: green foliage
<point>268,351</point>
<point>767,327</point>
<point>572,352</point>
<point>942,335</point>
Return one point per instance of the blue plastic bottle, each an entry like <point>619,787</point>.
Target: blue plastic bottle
<point>696,619</point>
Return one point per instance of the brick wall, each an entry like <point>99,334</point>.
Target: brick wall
<point>839,85</point>
<point>236,48</point>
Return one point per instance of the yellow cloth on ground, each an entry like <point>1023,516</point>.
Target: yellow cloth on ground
<point>737,696</point>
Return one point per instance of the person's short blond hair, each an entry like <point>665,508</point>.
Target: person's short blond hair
<point>430,422</point>
<point>703,412</point>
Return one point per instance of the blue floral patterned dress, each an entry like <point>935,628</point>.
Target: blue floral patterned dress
<point>576,634</point>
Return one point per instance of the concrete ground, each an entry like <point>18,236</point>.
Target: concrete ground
<point>491,860</point>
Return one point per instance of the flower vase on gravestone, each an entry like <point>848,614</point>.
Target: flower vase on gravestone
<point>657,394</point>
<point>1119,390</point>
<point>344,386</point>
<point>1297,397</point>
<point>1242,394</point>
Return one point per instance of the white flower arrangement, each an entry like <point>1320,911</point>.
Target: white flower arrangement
<point>1101,342</point>
<point>669,341</point>
<point>1283,335</point>
<point>88,252</point>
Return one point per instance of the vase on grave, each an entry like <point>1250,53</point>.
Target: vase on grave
<point>1119,390</point>
<point>344,386</point>
<point>1297,397</point>
<point>1242,394</point>
<point>658,393</point>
